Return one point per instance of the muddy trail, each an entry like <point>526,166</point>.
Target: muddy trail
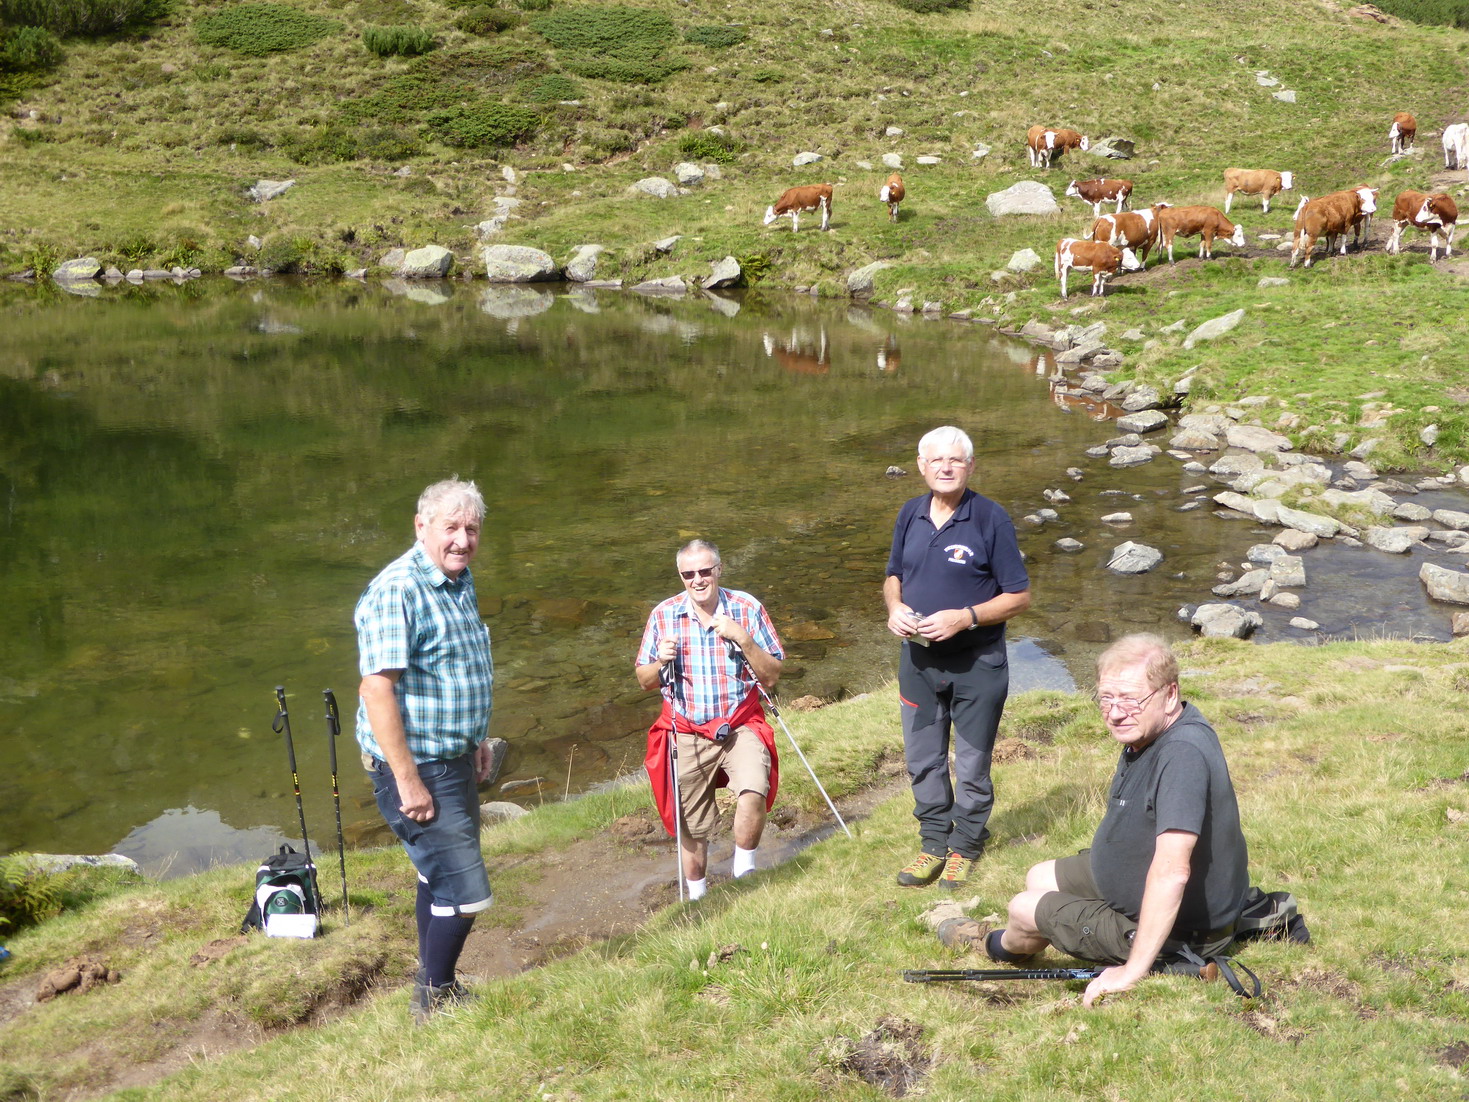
<point>594,891</point>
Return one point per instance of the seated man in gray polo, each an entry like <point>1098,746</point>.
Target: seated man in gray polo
<point>1168,866</point>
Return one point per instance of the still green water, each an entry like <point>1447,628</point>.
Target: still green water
<point>196,482</point>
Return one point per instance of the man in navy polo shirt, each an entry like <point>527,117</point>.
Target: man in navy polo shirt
<point>954,577</point>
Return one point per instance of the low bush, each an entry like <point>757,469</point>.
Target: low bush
<point>442,79</point>
<point>280,254</point>
<point>482,19</point>
<point>483,125</point>
<point>27,894</point>
<point>1448,13</point>
<point>242,136</point>
<point>88,18</point>
<point>210,71</point>
<point>29,50</point>
<point>716,37</point>
<point>767,76</point>
<point>533,5</point>
<point>397,41</point>
<point>553,88</point>
<point>702,145</point>
<point>626,45</point>
<point>261,29</point>
<point>928,7</point>
<point>336,142</point>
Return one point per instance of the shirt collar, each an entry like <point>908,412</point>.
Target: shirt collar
<point>687,609</point>
<point>431,573</point>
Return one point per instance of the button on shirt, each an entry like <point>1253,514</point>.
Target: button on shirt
<point>973,558</point>
<point>415,618</point>
<point>711,683</point>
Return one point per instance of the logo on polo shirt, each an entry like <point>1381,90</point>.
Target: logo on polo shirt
<point>959,553</point>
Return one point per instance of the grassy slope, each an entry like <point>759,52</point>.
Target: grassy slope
<point>1351,768</point>
<point>137,171</point>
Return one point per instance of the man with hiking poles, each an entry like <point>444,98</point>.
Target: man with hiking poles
<point>704,648</point>
<point>423,722</point>
<point>1167,872</point>
<point>954,576</point>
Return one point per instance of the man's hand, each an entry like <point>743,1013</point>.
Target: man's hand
<point>1112,981</point>
<point>726,628</point>
<point>414,800</point>
<point>484,760</point>
<point>667,648</point>
<point>944,624</point>
<point>902,620</point>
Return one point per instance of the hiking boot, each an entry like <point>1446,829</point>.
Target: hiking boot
<point>922,870</point>
<point>956,872</point>
<point>430,999</point>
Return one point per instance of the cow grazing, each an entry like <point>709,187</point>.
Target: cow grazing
<point>1402,131</point>
<point>1207,222</point>
<point>1333,217</point>
<point>1456,145</point>
<point>1099,191</point>
<point>1435,212</point>
<point>1263,182</point>
<point>892,194</point>
<point>796,200</point>
<point>1045,144</point>
<point>1102,259</point>
<point>1135,230</point>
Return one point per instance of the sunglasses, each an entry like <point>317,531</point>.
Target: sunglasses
<point>702,572</point>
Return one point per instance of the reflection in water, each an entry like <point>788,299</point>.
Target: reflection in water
<point>186,840</point>
<point>801,352</point>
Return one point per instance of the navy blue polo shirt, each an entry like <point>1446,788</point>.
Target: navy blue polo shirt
<point>973,558</point>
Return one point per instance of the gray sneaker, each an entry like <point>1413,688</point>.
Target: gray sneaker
<point>430,999</point>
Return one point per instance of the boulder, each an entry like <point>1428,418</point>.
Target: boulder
<point>1444,584</point>
<point>1117,149</point>
<point>666,244</point>
<point>860,282</point>
<point>74,271</point>
<point>263,191</point>
<point>1140,398</point>
<point>723,273</point>
<point>892,160</point>
<point>1395,541</point>
<point>668,285</point>
<point>1246,585</point>
<point>655,186</point>
<point>1023,260</point>
<point>1288,570</point>
<point>1304,624</point>
<point>1222,621</point>
<point>1372,500</point>
<point>1195,440</point>
<point>1067,544</point>
<point>1215,424</point>
<point>688,175</point>
<point>981,151</point>
<point>392,259</point>
<point>1293,540</point>
<point>1451,518</point>
<point>1411,510</point>
<point>429,262</point>
<point>1144,421</point>
<point>1134,558</point>
<point>1238,502</point>
<point>1215,327</point>
<point>1255,439</point>
<point>517,264</point>
<point>583,265</point>
<point>1133,457</point>
<point>1313,523</point>
<point>1026,197</point>
<point>807,158</point>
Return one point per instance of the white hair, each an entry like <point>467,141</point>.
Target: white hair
<point>945,436</point>
<point>451,498</point>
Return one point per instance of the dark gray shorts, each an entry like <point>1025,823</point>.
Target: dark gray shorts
<point>1076,921</point>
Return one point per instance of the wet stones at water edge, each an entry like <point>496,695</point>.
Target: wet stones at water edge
<point>1134,558</point>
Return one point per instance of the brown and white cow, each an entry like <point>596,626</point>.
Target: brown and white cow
<point>1135,230</point>
<point>1263,182</point>
<point>1101,190</point>
<point>1402,131</point>
<point>1435,212</point>
<point>1333,217</point>
<point>892,194</point>
<point>1456,145</point>
<point>1104,260</point>
<point>1045,144</point>
<point>795,200</point>
<point>1207,222</point>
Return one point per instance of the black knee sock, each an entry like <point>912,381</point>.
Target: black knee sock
<point>443,943</point>
<point>423,913</point>
<point>999,954</point>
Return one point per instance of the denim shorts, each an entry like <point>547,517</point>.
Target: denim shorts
<point>446,849</point>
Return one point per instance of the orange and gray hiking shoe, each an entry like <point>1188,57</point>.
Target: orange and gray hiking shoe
<point>956,871</point>
<point>922,870</point>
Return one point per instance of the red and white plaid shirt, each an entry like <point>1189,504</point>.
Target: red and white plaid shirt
<point>711,682</point>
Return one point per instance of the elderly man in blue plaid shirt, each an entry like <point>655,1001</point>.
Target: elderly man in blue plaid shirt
<point>423,721</point>
<point>710,644</point>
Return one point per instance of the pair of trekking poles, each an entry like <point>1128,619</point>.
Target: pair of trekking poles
<point>281,725</point>
<point>667,679</point>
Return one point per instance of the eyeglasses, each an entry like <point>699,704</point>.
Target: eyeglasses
<point>702,572</point>
<point>1125,704</point>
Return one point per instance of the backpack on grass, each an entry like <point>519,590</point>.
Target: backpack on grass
<point>287,902</point>
<point>1271,916</point>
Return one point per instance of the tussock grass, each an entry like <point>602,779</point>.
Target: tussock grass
<point>1348,760</point>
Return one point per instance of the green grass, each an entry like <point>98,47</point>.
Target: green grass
<point>1349,761</point>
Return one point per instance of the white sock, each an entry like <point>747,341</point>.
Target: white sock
<point>697,888</point>
<point>744,862</point>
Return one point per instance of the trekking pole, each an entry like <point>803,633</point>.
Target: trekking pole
<point>666,677</point>
<point>281,725</point>
<point>739,656</point>
<point>333,729</point>
<point>937,975</point>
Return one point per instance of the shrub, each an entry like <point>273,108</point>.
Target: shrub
<point>210,71</point>
<point>280,254</point>
<point>136,249</point>
<point>702,145</point>
<point>444,79</point>
<point>928,7</point>
<point>83,17</point>
<point>482,19</point>
<point>242,136</point>
<point>715,37</point>
<point>553,88</point>
<point>482,125</point>
<point>261,29</point>
<point>339,142</point>
<point>612,43</point>
<point>1448,13</point>
<point>397,41</point>
<point>767,76</point>
<point>533,5</point>
<point>27,894</point>
<point>30,50</point>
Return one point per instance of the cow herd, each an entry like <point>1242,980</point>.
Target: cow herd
<point>1122,240</point>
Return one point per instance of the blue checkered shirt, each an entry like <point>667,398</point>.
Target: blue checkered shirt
<point>711,684</point>
<point>412,617</point>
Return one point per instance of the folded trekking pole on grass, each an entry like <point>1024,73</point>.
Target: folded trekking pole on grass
<point>333,729</point>
<point>939,975</point>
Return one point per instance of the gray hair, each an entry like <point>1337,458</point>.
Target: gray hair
<point>944,436</point>
<point>698,545</point>
<point>1159,664</point>
<point>452,498</point>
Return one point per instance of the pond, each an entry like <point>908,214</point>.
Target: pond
<point>198,481</point>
